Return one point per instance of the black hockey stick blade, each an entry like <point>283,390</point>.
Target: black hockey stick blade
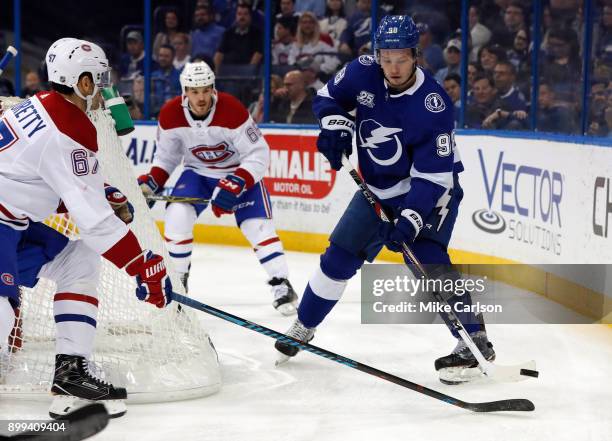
<point>517,405</point>
<point>81,424</point>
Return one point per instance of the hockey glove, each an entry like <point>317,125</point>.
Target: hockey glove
<point>404,230</point>
<point>152,183</point>
<point>226,194</point>
<point>154,285</point>
<point>335,139</point>
<point>120,204</point>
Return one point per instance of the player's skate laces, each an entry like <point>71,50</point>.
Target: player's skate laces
<point>297,331</point>
<point>461,365</point>
<point>74,385</point>
<point>285,298</point>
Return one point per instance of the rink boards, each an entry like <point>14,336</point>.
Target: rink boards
<point>530,199</point>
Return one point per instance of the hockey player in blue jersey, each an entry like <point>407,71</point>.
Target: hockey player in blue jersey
<point>403,131</point>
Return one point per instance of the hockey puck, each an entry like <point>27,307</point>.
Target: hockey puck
<point>530,373</point>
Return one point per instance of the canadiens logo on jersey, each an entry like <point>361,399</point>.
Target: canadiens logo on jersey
<point>212,154</point>
<point>382,143</point>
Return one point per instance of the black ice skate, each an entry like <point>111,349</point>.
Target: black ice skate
<point>285,298</point>
<point>461,366</point>
<point>289,349</point>
<point>74,386</point>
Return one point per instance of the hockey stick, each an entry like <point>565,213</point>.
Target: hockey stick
<point>8,56</point>
<point>80,424</point>
<point>491,406</point>
<point>185,199</point>
<point>495,372</point>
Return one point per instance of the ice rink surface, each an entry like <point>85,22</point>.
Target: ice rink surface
<point>311,398</point>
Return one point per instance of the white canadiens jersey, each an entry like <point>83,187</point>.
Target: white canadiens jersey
<point>47,155</point>
<point>227,139</point>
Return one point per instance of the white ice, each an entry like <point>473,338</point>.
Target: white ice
<point>311,398</point>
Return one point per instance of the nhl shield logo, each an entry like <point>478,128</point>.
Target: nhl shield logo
<point>212,155</point>
<point>434,103</point>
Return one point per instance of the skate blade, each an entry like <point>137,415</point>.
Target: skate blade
<point>281,360</point>
<point>287,309</point>
<point>64,404</point>
<point>460,375</point>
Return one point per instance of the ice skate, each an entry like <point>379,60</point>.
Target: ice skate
<point>460,366</point>
<point>285,298</point>
<point>288,348</point>
<point>74,386</point>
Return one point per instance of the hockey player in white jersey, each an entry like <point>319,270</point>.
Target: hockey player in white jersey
<point>48,164</point>
<point>225,157</point>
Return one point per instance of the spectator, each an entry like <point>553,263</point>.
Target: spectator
<point>433,56</point>
<point>551,116</point>
<point>562,66</point>
<point>308,44</point>
<point>489,56</point>
<point>206,35</point>
<point>242,43</point>
<point>310,72</point>
<point>334,22</point>
<point>138,92</point>
<point>483,103</point>
<point>452,55</point>
<point>287,12</point>
<point>32,85</point>
<point>519,54</point>
<point>357,32</point>
<point>317,7</point>
<point>479,33</point>
<point>295,106</point>
<point>473,69</point>
<point>165,80</point>
<point>597,107</point>
<point>514,19</point>
<point>510,97</point>
<point>256,108</point>
<point>452,86</point>
<point>180,43</point>
<point>171,28</point>
<point>132,63</point>
<point>133,108</point>
<point>284,36</point>
<point>603,32</point>
<point>493,13</point>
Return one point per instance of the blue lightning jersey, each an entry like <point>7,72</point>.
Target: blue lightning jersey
<point>405,141</point>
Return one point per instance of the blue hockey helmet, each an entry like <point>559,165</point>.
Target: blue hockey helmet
<point>396,32</point>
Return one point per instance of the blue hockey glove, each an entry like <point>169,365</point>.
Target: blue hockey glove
<point>404,230</point>
<point>226,195</point>
<point>335,139</point>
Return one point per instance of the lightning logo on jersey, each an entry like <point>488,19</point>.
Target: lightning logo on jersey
<point>372,135</point>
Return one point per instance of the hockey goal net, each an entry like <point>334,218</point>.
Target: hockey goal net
<point>158,355</point>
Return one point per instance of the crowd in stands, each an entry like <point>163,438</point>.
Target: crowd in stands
<point>313,39</point>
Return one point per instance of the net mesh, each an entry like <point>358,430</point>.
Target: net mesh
<point>158,355</point>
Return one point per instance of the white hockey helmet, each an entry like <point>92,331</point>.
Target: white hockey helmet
<point>197,74</point>
<point>68,58</point>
